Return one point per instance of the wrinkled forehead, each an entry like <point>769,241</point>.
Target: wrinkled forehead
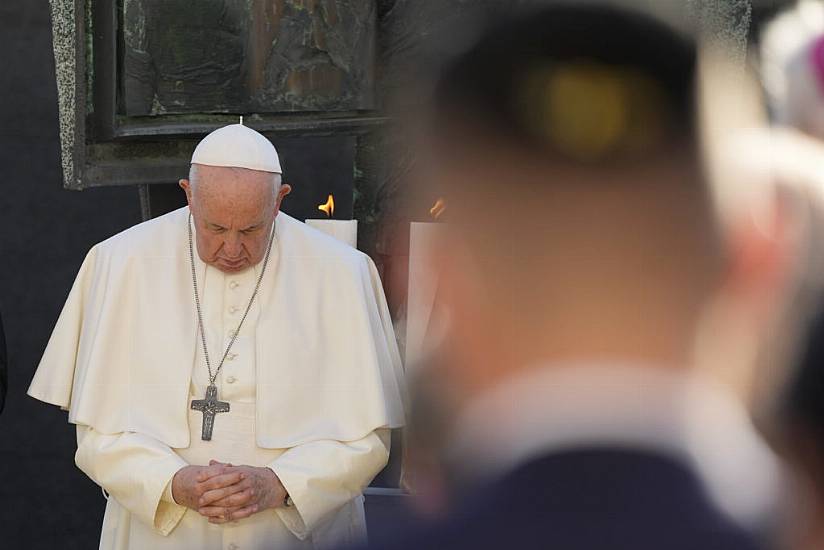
<point>235,192</point>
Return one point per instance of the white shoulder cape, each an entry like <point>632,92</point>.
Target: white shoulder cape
<point>120,358</point>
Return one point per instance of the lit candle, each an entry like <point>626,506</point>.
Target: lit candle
<point>343,230</point>
<point>424,323</point>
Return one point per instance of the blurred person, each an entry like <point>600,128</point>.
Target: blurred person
<point>792,64</point>
<point>785,398</point>
<point>587,254</point>
<point>799,433</point>
<point>792,67</point>
<point>789,401</point>
<point>218,403</point>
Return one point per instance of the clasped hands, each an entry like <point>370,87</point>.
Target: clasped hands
<point>222,492</point>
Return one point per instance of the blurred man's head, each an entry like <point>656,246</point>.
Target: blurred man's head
<point>582,225</point>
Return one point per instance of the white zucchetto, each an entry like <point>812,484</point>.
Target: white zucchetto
<point>237,146</point>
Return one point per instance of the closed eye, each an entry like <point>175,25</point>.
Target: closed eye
<point>250,230</point>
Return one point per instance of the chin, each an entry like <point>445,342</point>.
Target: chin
<point>231,268</point>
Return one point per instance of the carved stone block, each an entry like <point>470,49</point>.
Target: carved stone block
<point>247,56</point>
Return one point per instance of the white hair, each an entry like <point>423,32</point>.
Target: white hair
<point>277,179</point>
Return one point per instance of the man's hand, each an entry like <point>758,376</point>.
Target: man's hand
<point>192,482</point>
<point>259,490</point>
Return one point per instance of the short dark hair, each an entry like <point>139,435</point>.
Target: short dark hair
<point>506,84</point>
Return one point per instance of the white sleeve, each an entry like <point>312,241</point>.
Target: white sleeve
<point>136,470</point>
<point>322,476</point>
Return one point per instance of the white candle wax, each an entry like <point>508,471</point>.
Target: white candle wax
<point>423,325</point>
<point>343,230</point>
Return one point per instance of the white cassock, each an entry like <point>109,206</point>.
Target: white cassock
<point>314,383</point>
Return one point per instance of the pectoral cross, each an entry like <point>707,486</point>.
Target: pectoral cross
<point>209,406</point>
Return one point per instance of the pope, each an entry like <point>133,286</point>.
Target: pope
<point>232,373</point>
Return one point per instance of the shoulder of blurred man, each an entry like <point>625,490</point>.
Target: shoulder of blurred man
<point>587,499</point>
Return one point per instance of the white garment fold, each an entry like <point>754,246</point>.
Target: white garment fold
<point>324,479</point>
<point>314,383</point>
<point>328,364</point>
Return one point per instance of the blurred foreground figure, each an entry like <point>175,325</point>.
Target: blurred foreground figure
<point>801,436</point>
<point>793,68</point>
<point>585,252</point>
<point>221,404</point>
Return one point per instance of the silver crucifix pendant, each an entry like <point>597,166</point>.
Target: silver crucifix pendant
<point>209,406</point>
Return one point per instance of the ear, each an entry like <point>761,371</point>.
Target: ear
<point>738,325</point>
<point>284,190</point>
<point>187,188</point>
<point>761,255</point>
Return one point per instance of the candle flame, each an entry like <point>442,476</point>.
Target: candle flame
<point>438,208</point>
<point>328,207</point>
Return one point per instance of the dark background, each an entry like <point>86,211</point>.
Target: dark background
<point>45,231</point>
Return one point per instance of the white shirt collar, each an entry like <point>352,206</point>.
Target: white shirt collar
<point>666,411</point>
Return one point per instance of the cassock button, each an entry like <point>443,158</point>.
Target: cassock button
<point>233,309</point>
<point>233,285</point>
<point>231,356</point>
<point>233,547</point>
<point>231,380</point>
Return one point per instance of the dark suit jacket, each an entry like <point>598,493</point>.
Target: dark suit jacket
<point>600,499</point>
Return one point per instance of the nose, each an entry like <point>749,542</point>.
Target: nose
<point>232,246</point>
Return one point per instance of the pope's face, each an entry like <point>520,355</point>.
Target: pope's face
<point>233,210</point>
